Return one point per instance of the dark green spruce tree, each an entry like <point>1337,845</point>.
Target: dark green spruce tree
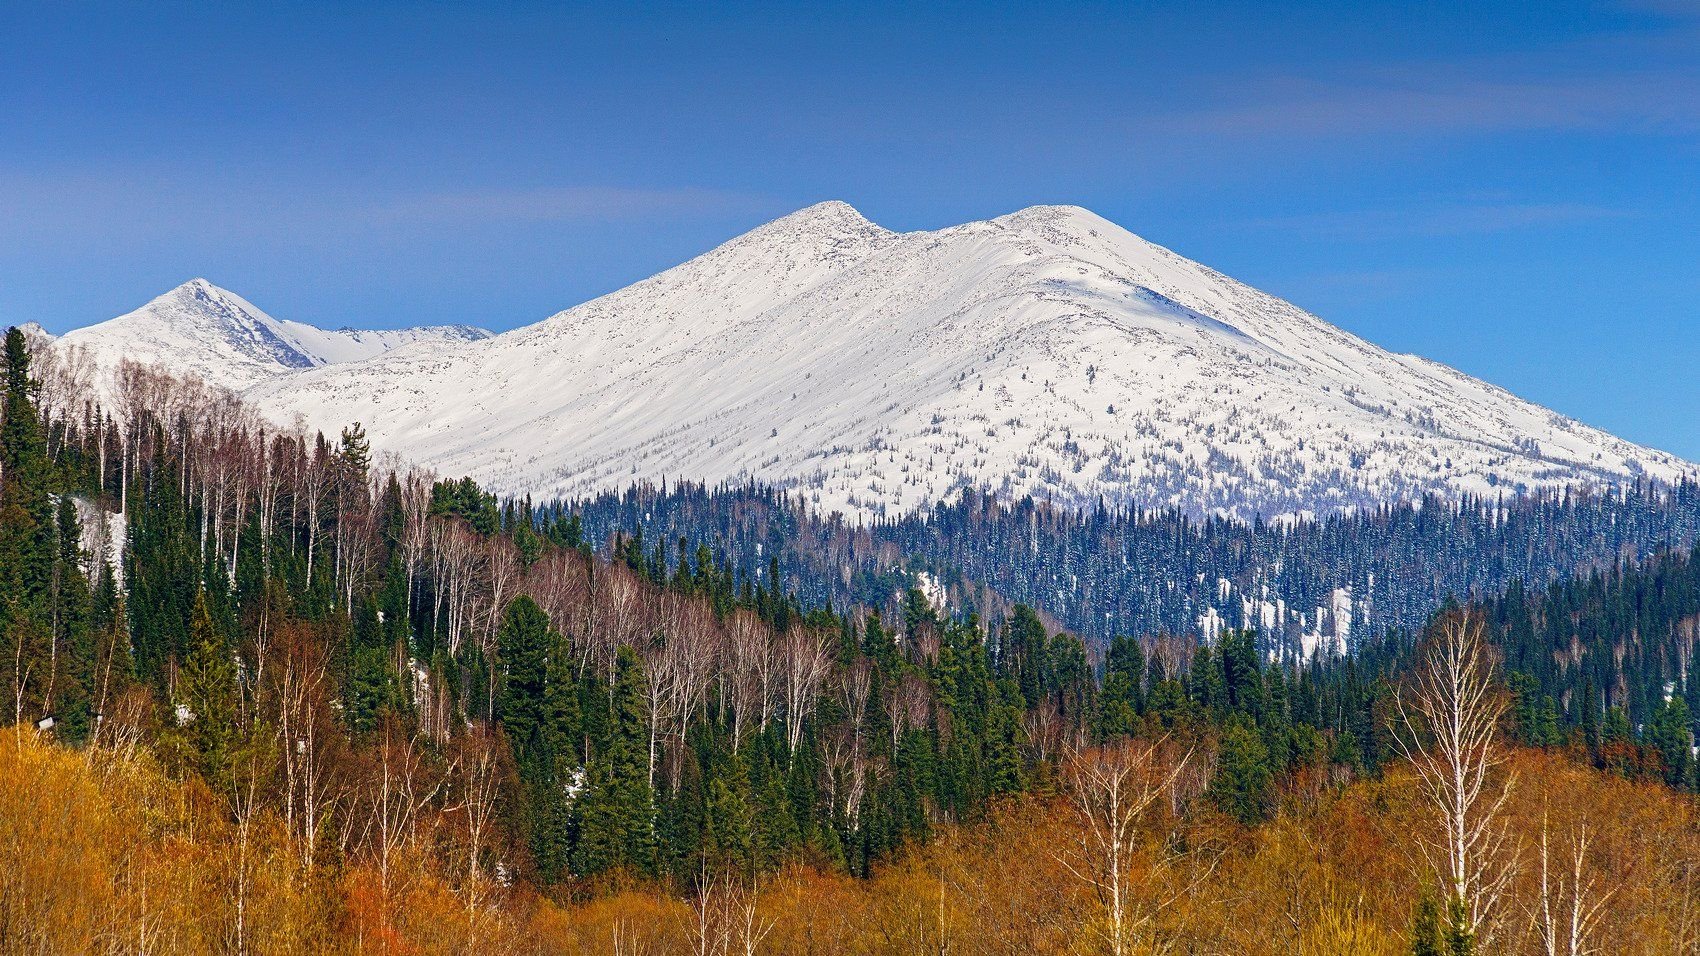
<point>27,538</point>
<point>616,810</point>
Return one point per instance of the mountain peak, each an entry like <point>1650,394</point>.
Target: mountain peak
<point>208,332</point>
<point>785,256</point>
<point>832,222</point>
<point>830,211</point>
<point>200,288</point>
<point>201,305</point>
<point>1053,221</point>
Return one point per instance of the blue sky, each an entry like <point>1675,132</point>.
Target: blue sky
<point>1510,188</point>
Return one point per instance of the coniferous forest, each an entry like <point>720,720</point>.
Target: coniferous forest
<point>1104,572</point>
<point>269,694</point>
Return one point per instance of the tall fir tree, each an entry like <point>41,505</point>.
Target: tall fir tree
<point>616,812</point>
<point>73,628</point>
<point>27,537</point>
<point>208,693</point>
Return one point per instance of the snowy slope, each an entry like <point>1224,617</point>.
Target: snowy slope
<point>216,335</point>
<point>1048,352</point>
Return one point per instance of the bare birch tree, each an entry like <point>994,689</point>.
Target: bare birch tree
<point>724,921</point>
<point>1448,728</point>
<point>805,659</point>
<point>1571,901</point>
<point>1115,792</point>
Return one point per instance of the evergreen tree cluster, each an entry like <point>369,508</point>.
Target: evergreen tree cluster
<point>1606,662</point>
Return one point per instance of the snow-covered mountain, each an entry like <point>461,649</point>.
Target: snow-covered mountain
<point>1048,352</point>
<point>202,330</point>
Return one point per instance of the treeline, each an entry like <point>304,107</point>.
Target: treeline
<point>1101,571</point>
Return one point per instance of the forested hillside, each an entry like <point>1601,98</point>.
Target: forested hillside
<point>1608,657</point>
<point>269,695</point>
<point>1304,586</point>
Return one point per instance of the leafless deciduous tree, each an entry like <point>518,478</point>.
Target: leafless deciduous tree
<point>1448,727</point>
<point>678,669</point>
<point>805,659</point>
<point>1115,792</point>
<point>1045,730</point>
<point>307,743</point>
<point>911,706</point>
<point>396,795</point>
<point>724,921</point>
<point>1572,901</point>
<point>749,673</point>
<point>475,802</point>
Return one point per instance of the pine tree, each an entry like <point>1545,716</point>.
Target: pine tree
<point>1670,734</point>
<point>72,629</point>
<point>729,819</point>
<point>523,641</point>
<point>878,644</point>
<point>1691,695</point>
<point>1122,699</point>
<point>537,708</point>
<point>162,571</point>
<point>1207,686</point>
<point>1024,654</point>
<point>1242,673</point>
<point>551,838</point>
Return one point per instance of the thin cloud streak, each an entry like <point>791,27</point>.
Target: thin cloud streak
<point>38,212</point>
<point>569,203</point>
<point>1452,219</point>
<point>1649,102</point>
<point>1643,81</point>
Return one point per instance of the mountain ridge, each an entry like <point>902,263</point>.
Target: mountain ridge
<point>1048,352</point>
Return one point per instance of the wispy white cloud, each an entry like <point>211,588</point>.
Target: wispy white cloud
<point>1644,102</point>
<point>1644,80</point>
<point>1451,218</point>
<point>567,203</point>
<point>118,207</point>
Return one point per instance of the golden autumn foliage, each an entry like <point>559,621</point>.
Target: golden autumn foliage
<point>102,852</point>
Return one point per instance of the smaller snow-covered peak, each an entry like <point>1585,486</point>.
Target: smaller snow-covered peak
<point>199,301</point>
<point>1058,214</point>
<point>1074,230</point>
<point>34,332</point>
<point>747,274</point>
<point>202,330</point>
